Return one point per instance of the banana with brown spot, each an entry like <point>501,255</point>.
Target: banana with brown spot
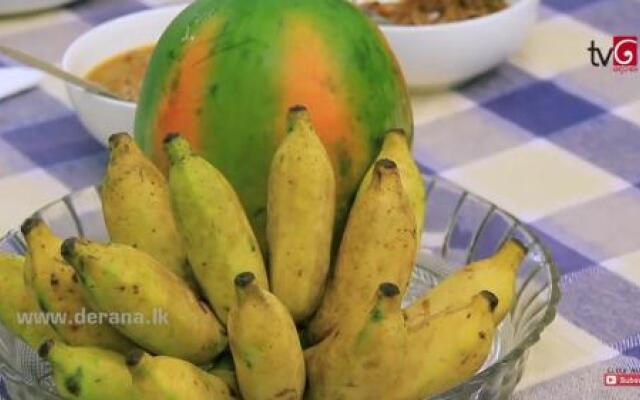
<point>119,279</point>
<point>58,291</point>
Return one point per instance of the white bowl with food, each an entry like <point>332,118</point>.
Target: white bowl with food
<point>14,7</point>
<point>443,54</point>
<point>114,54</point>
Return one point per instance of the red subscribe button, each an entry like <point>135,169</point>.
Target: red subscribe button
<point>622,379</point>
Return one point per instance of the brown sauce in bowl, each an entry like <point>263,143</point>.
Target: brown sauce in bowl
<point>123,73</point>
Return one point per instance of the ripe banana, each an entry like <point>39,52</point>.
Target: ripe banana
<point>17,299</point>
<point>363,358</point>
<point>447,348</point>
<point>264,343</point>
<point>496,274</point>
<point>218,237</point>
<point>87,373</point>
<point>397,149</point>
<point>224,369</point>
<point>137,207</point>
<point>300,214</point>
<point>58,292</point>
<point>168,378</point>
<point>378,245</point>
<point>121,280</point>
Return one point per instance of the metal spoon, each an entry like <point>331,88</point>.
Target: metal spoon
<point>59,73</point>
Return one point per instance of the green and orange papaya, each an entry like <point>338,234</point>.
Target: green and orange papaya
<point>225,72</point>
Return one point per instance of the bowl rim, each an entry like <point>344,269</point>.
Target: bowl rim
<point>430,181</point>
<point>71,48</point>
<point>551,306</point>
<point>511,8</point>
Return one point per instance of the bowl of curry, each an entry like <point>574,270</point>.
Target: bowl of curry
<point>115,55</point>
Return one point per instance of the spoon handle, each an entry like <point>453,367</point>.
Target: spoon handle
<point>57,72</point>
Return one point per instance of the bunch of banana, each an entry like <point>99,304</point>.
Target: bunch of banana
<point>378,245</point>
<point>137,207</point>
<point>219,240</point>
<point>117,278</point>
<point>174,239</point>
<point>264,343</point>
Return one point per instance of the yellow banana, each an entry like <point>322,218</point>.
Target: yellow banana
<point>168,378</point>
<point>397,149</point>
<point>218,237</point>
<point>59,293</point>
<point>300,213</point>
<point>378,245</point>
<point>362,359</point>
<point>88,373</point>
<point>447,348</point>
<point>18,299</point>
<point>137,206</point>
<point>224,369</point>
<point>496,274</point>
<point>264,343</point>
<point>163,315</point>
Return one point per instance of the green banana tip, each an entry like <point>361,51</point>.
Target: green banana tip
<point>45,348</point>
<point>176,147</point>
<point>134,357</point>
<point>29,224</point>
<point>388,289</point>
<point>171,137</point>
<point>491,298</point>
<point>244,279</point>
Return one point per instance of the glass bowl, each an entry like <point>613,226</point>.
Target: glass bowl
<point>461,228</point>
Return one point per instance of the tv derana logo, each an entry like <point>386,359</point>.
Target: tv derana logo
<point>622,55</point>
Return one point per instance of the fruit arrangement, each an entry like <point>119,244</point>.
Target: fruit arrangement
<point>295,323</point>
<point>225,72</point>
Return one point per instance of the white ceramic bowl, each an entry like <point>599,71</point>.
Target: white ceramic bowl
<point>12,7</point>
<point>451,53</point>
<point>103,116</point>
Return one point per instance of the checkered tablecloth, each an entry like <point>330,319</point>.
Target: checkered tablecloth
<point>546,136</point>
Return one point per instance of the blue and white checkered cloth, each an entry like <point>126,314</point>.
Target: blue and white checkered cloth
<point>546,136</point>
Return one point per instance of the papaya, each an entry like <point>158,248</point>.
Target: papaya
<point>225,72</point>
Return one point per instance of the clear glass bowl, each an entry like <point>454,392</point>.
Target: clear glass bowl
<point>461,228</point>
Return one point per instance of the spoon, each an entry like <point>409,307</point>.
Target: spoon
<point>59,73</point>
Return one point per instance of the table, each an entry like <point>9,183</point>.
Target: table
<point>547,136</point>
